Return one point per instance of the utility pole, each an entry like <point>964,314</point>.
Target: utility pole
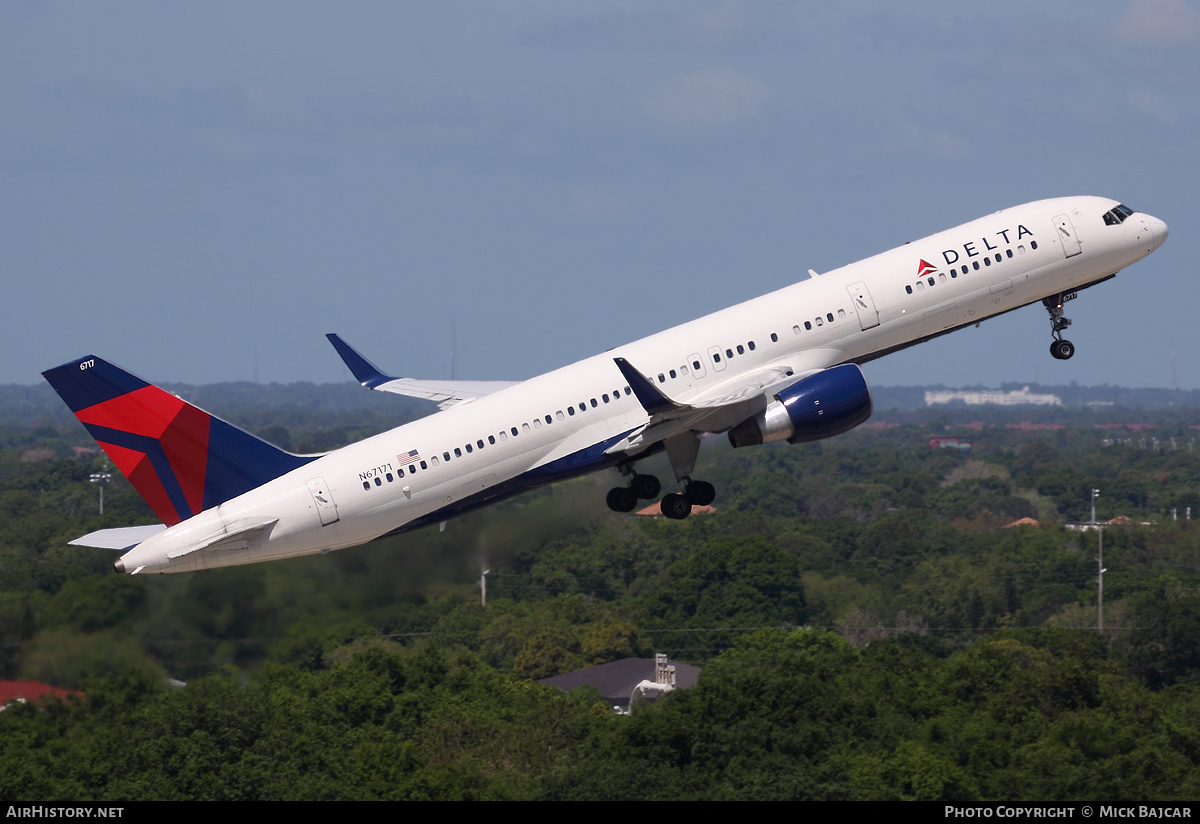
<point>1099,565</point>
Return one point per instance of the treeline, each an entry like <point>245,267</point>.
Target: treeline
<point>867,625</point>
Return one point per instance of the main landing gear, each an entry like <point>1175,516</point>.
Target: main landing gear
<point>677,505</point>
<point>1059,348</point>
<point>641,487</point>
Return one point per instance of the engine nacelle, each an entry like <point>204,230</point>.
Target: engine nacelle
<point>820,406</point>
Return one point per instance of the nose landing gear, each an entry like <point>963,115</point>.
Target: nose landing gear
<point>1059,348</point>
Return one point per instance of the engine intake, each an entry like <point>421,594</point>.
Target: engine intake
<point>820,406</point>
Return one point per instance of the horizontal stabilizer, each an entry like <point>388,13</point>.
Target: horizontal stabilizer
<point>243,537</point>
<point>447,393</point>
<point>123,537</point>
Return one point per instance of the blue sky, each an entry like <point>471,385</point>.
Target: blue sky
<point>194,190</point>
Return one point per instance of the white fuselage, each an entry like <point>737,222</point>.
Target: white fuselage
<point>852,314</point>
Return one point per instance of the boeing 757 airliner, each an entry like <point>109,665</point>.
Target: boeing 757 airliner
<point>782,367</point>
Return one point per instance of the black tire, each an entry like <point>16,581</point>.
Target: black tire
<point>701,493</point>
<point>646,487</point>
<point>676,507</point>
<point>621,499</point>
<point>1062,349</point>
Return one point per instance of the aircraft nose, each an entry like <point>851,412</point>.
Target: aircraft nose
<point>1158,231</point>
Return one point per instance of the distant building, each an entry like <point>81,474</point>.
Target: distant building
<point>990,397</point>
<point>950,443</point>
<point>621,682</point>
<point>19,692</point>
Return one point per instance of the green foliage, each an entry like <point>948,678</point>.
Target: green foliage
<point>944,665</point>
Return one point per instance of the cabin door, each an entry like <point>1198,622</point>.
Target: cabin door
<point>323,500</point>
<point>864,305</point>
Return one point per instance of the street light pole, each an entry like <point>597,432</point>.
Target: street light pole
<point>101,478</point>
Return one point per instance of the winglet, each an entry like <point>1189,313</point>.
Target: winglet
<point>364,371</point>
<point>653,401</point>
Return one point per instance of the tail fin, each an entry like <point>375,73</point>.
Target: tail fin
<point>180,459</point>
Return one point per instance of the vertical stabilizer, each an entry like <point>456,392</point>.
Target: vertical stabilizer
<point>179,458</point>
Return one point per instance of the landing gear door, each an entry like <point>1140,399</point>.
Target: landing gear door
<point>1066,235</point>
<point>864,305</point>
<point>323,500</point>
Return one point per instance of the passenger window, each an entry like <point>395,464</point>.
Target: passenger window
<point>514,431</point>
<point>525,427</point>
<point>829,316</point>
<point>434,460</point>
<point>469,449</point>
<point>672,373</point>
<point>366,484</point>
<point>696,364</point>
<point>537,423</point>
<point>774,338</point>
<point>908,289</point>
<point>425,465</point>
<point>808,325</point>
<point>716,357</point>
<point>503,436</point>
<point>571,411</point>
<point>479,443</point>
<point>819,322</point>
<point>446,455</point>
<point>1033,245</point>
<point>1008,252</point>
<point>559,414</point>
<point>605,397</point>
<point>987,261</point>
<point>931,281</point>
<point>389,476</point>
<point>377,481</point>
<point>751,345</point>
<point>548,419</point>
<point>920,285</point>
<point>796,328</point>
<point>728,353</point>
<point>942,277</point>
<point>594,404</point>
<point>975,265</point>
<point>741,349</point>
<point>661,378</point>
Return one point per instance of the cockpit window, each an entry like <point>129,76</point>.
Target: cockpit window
<point>1117,215</point>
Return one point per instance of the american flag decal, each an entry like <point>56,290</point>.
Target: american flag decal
<point>405,458</point>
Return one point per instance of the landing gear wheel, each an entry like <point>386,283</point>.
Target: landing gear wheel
<point>646,487</point>
<point>701,493</point>
<point>621,499</point>
<point>676,507</point>
<point>1062,349</point>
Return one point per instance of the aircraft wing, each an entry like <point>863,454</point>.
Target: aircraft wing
<point>447,393</point>
<point>724,406</point>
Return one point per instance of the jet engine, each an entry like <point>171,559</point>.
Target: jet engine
<point>820,406</point>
